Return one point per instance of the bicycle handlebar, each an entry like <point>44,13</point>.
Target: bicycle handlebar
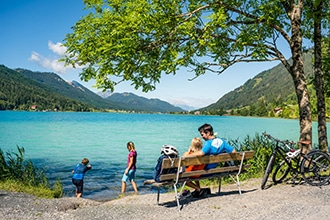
<point>285,142</point>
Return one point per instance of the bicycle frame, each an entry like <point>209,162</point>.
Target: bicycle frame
<point>292,160</point>
<point>313,166</point>
<point>280,151</point>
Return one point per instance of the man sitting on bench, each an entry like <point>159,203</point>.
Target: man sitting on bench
<point>212,146</point>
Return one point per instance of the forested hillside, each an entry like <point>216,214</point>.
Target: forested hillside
<point>270,93</point>
<point>73,90</point>
<point>23,89</point>
<point>138,103</point>
<point>21,93</point>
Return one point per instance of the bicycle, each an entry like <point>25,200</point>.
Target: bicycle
<point>314,166</point>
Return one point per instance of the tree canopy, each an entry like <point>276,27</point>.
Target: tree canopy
<point>139,40</point>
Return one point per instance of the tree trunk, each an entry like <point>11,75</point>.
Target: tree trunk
<point>298,76</point>
<point>319,80</point>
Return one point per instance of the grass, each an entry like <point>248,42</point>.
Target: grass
<point>20,175</point>
<point>39,191</point>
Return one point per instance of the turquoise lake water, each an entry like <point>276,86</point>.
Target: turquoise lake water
<point>59,140</point>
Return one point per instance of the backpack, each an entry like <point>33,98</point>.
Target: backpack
<point>158,168</point>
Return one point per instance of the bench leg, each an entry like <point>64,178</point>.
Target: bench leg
<point>158,195</point>
<point>238,185</point>
<point>177,196</point>
<point>219,187</point>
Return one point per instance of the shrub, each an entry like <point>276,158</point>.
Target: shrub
<point>17,174</point>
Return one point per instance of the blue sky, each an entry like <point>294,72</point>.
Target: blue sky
<point>33,30</point>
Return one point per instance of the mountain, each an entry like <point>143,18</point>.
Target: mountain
<point>273,85</point>
<point>73,90</point>
<point>139,103</point>
<point>18,92</point>
<point>21,89</point>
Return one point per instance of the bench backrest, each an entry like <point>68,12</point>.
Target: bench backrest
<point>208,159</point>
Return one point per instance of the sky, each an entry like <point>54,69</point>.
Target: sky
<point>32,32</point>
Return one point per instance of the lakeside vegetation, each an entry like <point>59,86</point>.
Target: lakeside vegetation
<point>20,175</point>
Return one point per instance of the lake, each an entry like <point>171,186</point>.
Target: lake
<point>57,141</point>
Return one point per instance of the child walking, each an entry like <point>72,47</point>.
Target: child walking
<point>78,176</point>
<point>129,173</point>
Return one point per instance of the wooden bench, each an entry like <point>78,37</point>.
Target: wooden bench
<point>239,165</point>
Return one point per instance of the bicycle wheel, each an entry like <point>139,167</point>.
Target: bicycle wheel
<point>268,170</point>
<point>315,168</point>
<point>281,172</point>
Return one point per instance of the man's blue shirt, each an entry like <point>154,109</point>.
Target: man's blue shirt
<point>216,146</point>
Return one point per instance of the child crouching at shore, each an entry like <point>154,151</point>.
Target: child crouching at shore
<point>78,176</point>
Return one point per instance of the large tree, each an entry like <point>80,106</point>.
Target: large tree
<point>326,64</point>
<point>317,19</point>
<point>139,40</point>
<point>319,79</point>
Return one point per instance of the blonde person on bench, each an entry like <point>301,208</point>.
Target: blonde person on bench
<point>212,146</point>
<point>196,145</point>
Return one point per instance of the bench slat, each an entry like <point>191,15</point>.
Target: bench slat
<point>172,176</point>
<point>207,159</point>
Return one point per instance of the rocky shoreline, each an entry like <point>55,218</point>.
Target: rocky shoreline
<point>283,201</point>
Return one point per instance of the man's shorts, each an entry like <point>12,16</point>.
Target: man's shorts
<point>79,184</point>
<point>129,177</point>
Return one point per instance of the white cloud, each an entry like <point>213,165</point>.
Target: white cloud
<point>53,63</point>
<point>35,57</point>
<point>57,48</point>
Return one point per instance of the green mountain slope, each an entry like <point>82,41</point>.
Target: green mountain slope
<point>138,103</point>
<point>21,93</point>
<point>73,90</point>
<point>273,85</point>
<point>21,89</point>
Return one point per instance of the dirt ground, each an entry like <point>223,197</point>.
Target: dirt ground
<point>283,201</point>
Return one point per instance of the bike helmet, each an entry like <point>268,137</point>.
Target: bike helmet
<point>169,150</point>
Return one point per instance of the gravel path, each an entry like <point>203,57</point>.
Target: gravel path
<point>277,202</point>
